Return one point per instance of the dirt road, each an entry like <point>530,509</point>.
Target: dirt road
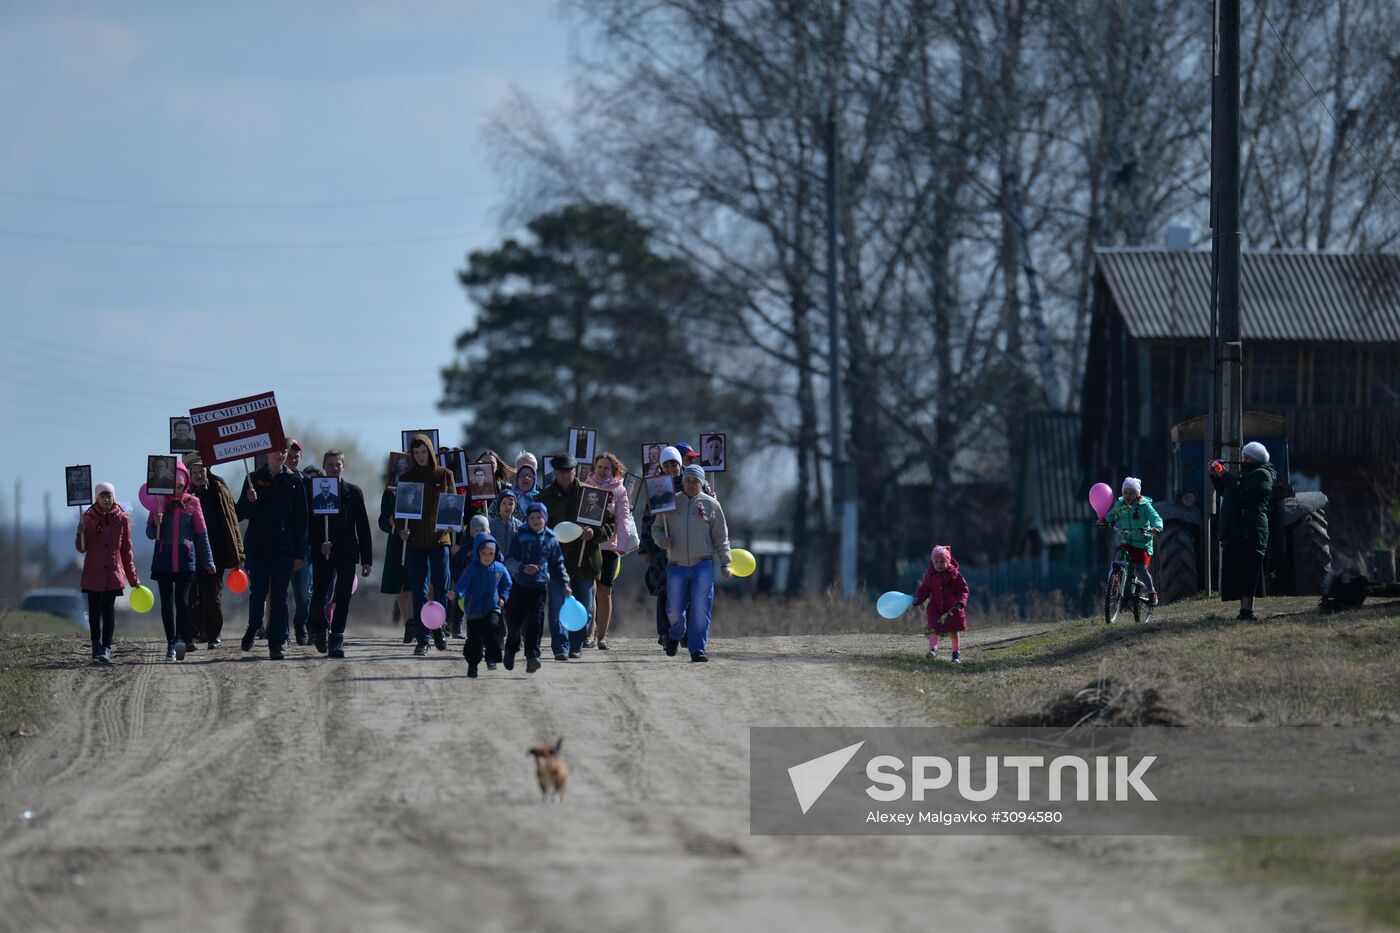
<point>387,793</point>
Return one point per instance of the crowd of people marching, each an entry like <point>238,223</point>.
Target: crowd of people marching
<point>503,579</point>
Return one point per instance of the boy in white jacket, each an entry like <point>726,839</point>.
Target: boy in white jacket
<point>694,537</point>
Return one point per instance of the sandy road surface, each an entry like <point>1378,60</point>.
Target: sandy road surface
<point>386,792</point>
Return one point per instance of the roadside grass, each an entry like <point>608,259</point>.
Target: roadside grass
<point>1292,667</point>
<point>28,640</point>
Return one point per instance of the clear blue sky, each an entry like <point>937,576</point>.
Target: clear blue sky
<point>240,130</point>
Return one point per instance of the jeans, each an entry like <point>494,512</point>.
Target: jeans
<point>690,600</point>
<point>423,567</point>
<point>331,583</point>
<point>301,595</point>
<point>102,617</point>
<point>525,618</point>
<point>206,604</point>
<point>269,575</point>
<point>175,605</point>
<point>559,639</point>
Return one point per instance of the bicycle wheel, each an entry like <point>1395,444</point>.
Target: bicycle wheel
<point>1113,596</point>
<point>1139,604</point>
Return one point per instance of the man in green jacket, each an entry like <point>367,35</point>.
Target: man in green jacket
<point>1244,525</point>
<point>582,557</point>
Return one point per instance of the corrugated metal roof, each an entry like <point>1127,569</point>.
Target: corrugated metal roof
<point>1337,297</point>
<point>1052,444</point>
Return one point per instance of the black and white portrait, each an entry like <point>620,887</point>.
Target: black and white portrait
<point>633,485</point>
<point>398,463</point>
<point>432,434</point>
<point>481,481</point>
<point>182,436</point>
<point>712,452</point>
<point>593,506</point>
<point>451,512</point>
<point>581,444</point>
<point>78,479</point>
<point>651,459</point>
<point>408,501</point>
<point>160,475</point>
<point>661,494</point>
<point>454,460</point>
<point>325,495</point>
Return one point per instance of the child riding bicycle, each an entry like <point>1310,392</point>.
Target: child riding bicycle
<point>1133,514</point>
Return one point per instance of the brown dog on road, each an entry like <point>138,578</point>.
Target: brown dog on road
<point>550,770</point>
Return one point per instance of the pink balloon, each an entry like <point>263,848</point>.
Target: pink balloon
<point>149,502</point>
<point>434,615</point>
<point>1101,498</point>
<point>355,584</point>
<point>330,611</point>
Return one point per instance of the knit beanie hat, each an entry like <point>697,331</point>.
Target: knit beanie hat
<point>537,507</point>
<point>479,524</point>
<point>1133,483</point>
<point>525,458</point>
<point>1256,451</point>
<point>669,454</point>
<point>942,551</point>
<point>105,487</point>
<point>695,472</point>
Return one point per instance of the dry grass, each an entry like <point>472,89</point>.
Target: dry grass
<point>1292,667</point>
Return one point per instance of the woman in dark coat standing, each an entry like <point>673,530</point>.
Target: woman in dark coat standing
<point>1244,526</point>
<point>393,581</point>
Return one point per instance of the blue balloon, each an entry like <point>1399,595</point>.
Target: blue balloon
<point>573,615</point>
<point>893,604</point>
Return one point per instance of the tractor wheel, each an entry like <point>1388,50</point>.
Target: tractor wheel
<point>1174,567</point>
<point>1311,549</point>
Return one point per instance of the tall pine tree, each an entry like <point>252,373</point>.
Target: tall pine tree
<point>583,324</point>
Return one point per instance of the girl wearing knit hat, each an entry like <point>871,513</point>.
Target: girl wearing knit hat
<point>945,591</point>
<point>104,540</point>
<point>1135,514</point>
<point>182,548</point>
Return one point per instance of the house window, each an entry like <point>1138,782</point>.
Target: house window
<point>1334,376</point>
<point>1273,376</point>
<point>1198,379</point>
<point>1385,381</point>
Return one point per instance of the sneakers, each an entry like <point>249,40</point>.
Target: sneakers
<point>247,643</point>
<point>490,665</point>
<point>1151,599</point>
<point>456,629</point>
<point>275,655</point>
<point>956,658</point>
<point>420,650</point>
<point>301,635</point>
<point>439,639</point>
<point>560,656</point>
<point>216,643</point>
<point>508,662</point>
<point>409,637</point>
<point>588,643</point>
<point>170,655</point>
<point>671,647</point>
<point>532,665</point>
<point>602,646</point>
<point>180,650</point>
<point>698,657</point>
<point>471,670</point>
<point>932,654</point>
<point>191,646</point>
<point>575,654</point>
<point>105,656</point>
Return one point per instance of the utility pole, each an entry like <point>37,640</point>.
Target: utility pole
<point>843,503</point>
<point>1226,347</point>
<point>17,558</point>
<point>48,536</point>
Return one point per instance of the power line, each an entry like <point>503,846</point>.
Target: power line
<point>1298,68</point>
<point>231,247</point>
<point>242,205</point>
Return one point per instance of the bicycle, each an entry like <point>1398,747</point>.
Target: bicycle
<point>1123,588</point>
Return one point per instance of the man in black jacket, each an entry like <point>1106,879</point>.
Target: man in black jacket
<point>337,542</point>
<point>581,557</point>
<point>273,502</point>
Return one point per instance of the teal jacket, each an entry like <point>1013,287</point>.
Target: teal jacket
<point>1137,518</point>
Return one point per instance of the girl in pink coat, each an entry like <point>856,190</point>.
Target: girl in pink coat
<point>104,540</point>
<point>607,474</point>
<point>945,591</point>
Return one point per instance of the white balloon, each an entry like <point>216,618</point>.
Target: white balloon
<point>568,532</point>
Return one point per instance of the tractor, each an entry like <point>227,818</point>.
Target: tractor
<point>1299,558</point>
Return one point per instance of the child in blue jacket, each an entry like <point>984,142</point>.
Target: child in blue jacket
<point>534,555</point>
<point>484,586</point>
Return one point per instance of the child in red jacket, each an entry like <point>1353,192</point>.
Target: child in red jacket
<point>945,591</point>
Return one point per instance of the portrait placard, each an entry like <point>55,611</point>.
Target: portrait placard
<point>661,495</point>
<point>451,513</point>
<point>714,451</point>
<point>593,506</point>
<point>160,475</point>
<point>78,479</point>
<point>408,502</point>
<point>325,495</point>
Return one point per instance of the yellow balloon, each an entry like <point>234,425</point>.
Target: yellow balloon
<point>142,599</point>
<point>462,603</point>
<point>742,562</point>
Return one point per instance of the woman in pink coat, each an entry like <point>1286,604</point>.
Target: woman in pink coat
<point>945,590</point>
<point>607,474</point>
<point>104,540</point>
